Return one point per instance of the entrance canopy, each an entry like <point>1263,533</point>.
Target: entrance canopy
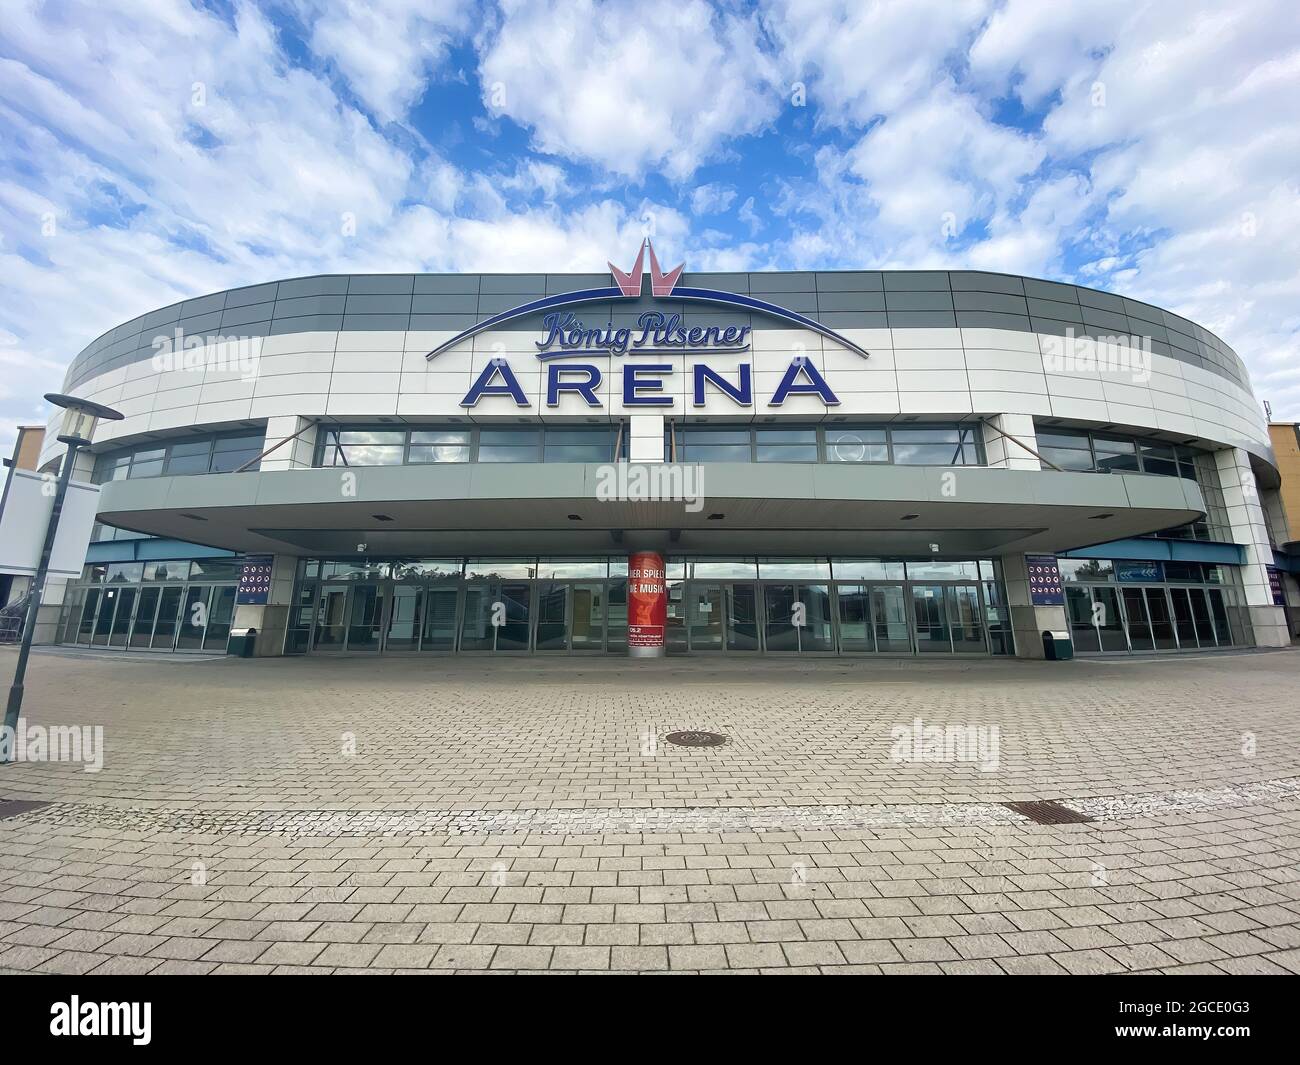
<point>722,508</point>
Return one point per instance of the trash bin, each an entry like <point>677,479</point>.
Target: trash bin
<point>1057,646</point>
<point>242,642</point>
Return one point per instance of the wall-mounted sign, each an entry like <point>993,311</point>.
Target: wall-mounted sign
<point>657,333</point>
<point>1044,580</point>
<point>254,581</point>
<point>1139,572</point>
<point>1275,585</point>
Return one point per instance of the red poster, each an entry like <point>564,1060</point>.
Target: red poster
<point>647,599</point>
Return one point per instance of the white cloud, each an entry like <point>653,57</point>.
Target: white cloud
<point>385,49</point>
<point>713,198</point>
<point>599,81</point>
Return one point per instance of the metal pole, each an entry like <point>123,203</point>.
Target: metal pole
<point>15,702</point>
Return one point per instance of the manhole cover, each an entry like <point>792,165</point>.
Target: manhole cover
<point>1048,812</point>
<point>696,739</point>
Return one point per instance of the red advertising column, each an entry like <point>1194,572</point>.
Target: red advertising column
<point>647,604</point>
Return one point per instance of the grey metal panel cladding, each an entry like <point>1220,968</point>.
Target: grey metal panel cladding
<point>326,285</point>
<point>445,303</point>
<point>1105,320</point>
<point>854,319</point>
<point>791,282</point>
<point>1061,312</point>
<point>154,319</point>
<point>992,320</point>
<point>377,304</point>
<point>439,283</point>
<point>302,305</point>
<point>916,281</point>
<point>850,301</point>
<point>1090,297</point>
<point>377,322</point>
<point>381,284</point>
<point>513,283</point>
<point>977,281</point>
<point>233,317</point>
<point>922,320</point>
<point>311,323</point>
<point>454,322</point>
<point>1051,290</point>
<point>999,302</point>
<point>496,302</point>
<point>723,282</point>
<point>918,301</point>
<point>845,299</point>
<point>240,297</point>
<point>203,305</point>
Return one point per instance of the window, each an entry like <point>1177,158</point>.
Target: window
<point>215,453</point>
<point>857,444</point>
<point>1116,454</point>
<point>509,445</point>
<point>1160,459</point>
<point>934,446</point>
<point>231,453</point>
<point>147,463</point>
<point>440,445</point>
<point>190,457</point>
<point>362,447</point>
<point>579,444</point>
<point>785,445</point>
<point>714,444</point>
<point>1067,450</point>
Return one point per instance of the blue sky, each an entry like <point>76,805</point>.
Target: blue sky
<point>156,149</point>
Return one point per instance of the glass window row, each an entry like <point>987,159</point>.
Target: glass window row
<point>750,567</point>
<point>217,453</point>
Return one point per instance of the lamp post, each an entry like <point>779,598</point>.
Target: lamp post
<point>79,420</point>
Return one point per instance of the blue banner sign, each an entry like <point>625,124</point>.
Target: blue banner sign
<point>1044,580</point>
<point>1139,572</point>
<point>254,581</point>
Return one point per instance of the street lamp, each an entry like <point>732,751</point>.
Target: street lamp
<point>79,419</point>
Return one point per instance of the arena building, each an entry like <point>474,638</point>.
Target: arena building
<point>653,461</point>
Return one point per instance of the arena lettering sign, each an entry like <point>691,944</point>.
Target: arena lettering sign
<point>654,334</point>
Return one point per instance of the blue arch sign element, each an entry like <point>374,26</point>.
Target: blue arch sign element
<point>663,286</point>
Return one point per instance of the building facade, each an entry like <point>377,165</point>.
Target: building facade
<point>650,461</point>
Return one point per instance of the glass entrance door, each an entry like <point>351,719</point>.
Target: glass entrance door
<point>552,616</point>
<point>1162,626</point>
<point>331,618</point>
<point>587,616</point>
<point>966,622</point>
<point>497,616</point>
<point>889,619</point>
<point>439,620</point>
<point>403,631</point>
<point>705,616</point>
<point>742,617</point>
<point>797,617</point>
<point>931,619</point>
<point>1139,626</point>
<point>121,628</point>
<point>1184,624</point>
<point>366,616</point>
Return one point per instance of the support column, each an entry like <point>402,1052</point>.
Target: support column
<point>646,438</point>
<point>296,454</point>
<point>1028,622</point>
<point>647,605</point>
<point>1249,528</point>
<point>271,619</point>
<point>1004,454</point>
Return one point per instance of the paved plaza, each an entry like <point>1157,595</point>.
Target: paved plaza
<point>529,814</point>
